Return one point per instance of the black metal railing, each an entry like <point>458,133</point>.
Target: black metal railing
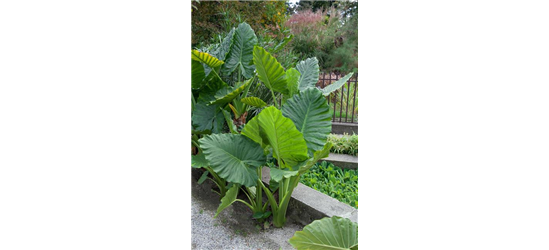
<point>343,102</point>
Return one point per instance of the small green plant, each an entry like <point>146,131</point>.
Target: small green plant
<point>346,144</point>
<point>338,183</point>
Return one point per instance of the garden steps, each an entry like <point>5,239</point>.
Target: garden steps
<point>343,160</point>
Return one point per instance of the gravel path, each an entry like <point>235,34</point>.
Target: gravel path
<point>234,228</point>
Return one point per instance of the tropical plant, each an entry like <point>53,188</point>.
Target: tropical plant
<point>328,233</point>
<point>290,131</point>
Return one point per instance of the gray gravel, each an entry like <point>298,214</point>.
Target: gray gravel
<point>234,228</point>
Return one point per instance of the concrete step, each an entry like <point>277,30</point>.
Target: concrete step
<point>343,161</point>
<point>341,128</point>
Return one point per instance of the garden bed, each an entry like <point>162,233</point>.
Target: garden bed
<point>331,180</point>
<point>234,228</point>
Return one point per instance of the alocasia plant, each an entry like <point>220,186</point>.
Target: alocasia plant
<point>295,135</point>
<point>292,129</point>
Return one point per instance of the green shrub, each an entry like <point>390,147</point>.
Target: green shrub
<point>338,183</point>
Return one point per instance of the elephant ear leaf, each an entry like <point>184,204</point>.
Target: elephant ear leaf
<point>254,101</point>
<point>251,130</point>
<point>279,174</point>
<point>228,199</point>
<point>281,134</point>
<point>311,115</point>
<point>323,153</point>
<point>197,74</point>
<point>223,49</point>
<point>269,70</point>
<point>203,117</point>
<point>309,73</point>
<point>292,77</point>
<point>206,58</point>
<point>229,93</point>
<point>240,54</point>
<point>336,85</point>
<point>327,233</point>
<point>233,157</point>
<point>199,161</point>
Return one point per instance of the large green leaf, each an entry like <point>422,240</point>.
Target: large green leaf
<point>336,85</point>
<point>327,234</point>
<point>269,70</point>
<point>241,53</point>
<point>254,101</point>
<point>205,58</point>
<point>311,115</point>
<point>309,73</point>
<point>292,77</point>
<point>228,94</point>
<point>199,161</point>
<point>281,134</point>
<point>223,49</point>
<point>323,153</point>
<point>279,174</point>
<point>197,74</point>
<point>233,157</point>
<point>228,199</point>
<point>203,117</point>
<point>251,130</point>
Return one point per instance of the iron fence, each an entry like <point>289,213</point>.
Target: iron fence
<point>343,102</point>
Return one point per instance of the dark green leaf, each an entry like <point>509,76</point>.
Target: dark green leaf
<point>228,199</point>
<point>203,177</point>
<point>233,157</point>
<point>327,234</point>
<point>269,70</point>
<point>254,101</point>
<point>311,115</point>
<point>241,53</point>
<point>197,74</point>
<point>309,73</point>
<point>206,58</point>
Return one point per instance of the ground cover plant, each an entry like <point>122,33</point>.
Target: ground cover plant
<point>288,134</point>
<point>346,144</point>
<point>338,183</point>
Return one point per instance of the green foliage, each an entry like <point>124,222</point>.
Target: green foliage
<point>279,132</point>
<point>311,115</point>
<point>240,54</point>
<point>341,184</point>
<point>215,17</point>
<point>309,73</point>
<point>233,157</point>
<point>254,101</point>
<point>336,85</point>
<point>269,70</point>
<point>294,135</point>
<point>329,233</point>
<point>346,144</point>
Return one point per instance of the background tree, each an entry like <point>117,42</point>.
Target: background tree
<point>315,5</point>
<point>327,30</point>
<point>213,19</point>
